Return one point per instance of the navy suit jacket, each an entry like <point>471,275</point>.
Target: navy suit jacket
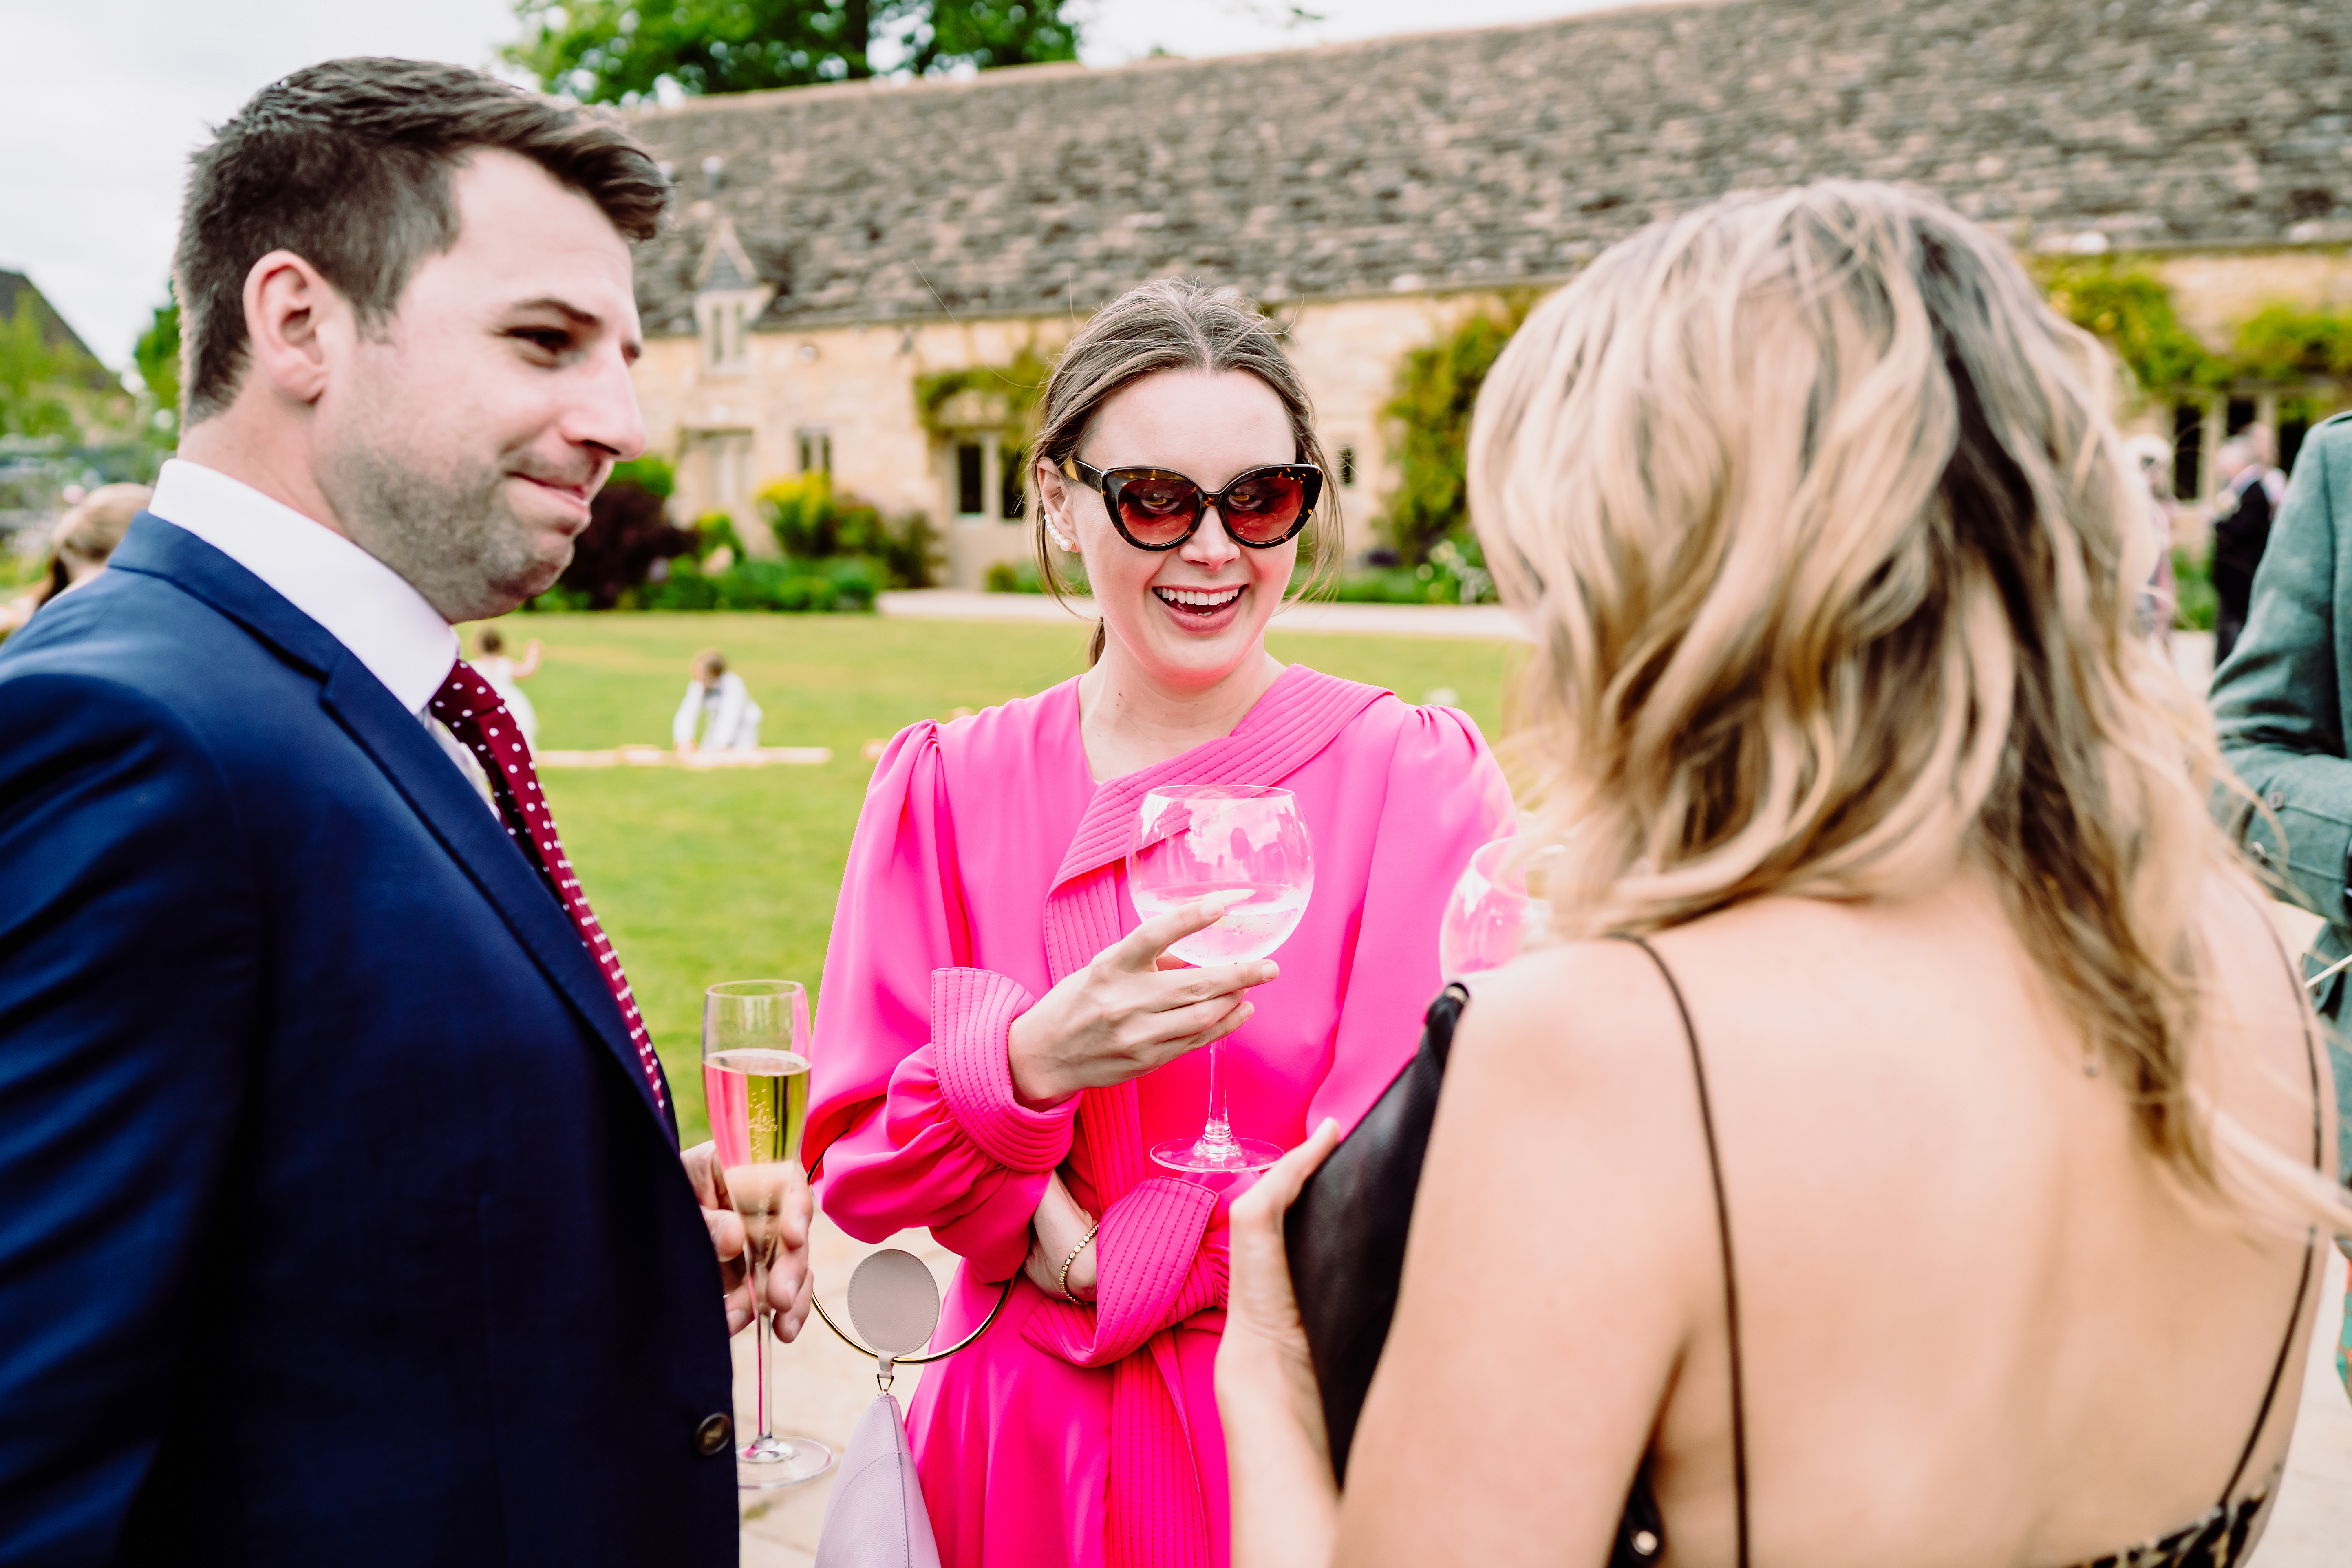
<point>338,1222</point>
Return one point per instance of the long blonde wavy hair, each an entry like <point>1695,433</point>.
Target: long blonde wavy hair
<point>1830,551</point>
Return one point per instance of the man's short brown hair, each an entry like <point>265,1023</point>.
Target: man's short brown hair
<point>348,165</point>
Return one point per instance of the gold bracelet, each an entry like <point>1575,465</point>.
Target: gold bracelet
<point>1084,1242</point>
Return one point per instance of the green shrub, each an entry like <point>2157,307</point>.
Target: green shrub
<point>649,473</point>
<point>2193,578</point>
<point>1022,577</point>
<point>844,583</point>
<point>1454,574</point>
<point>1436,387</point>
<point>814,522</point>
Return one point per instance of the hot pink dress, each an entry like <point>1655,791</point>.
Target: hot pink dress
<point>988,864</point>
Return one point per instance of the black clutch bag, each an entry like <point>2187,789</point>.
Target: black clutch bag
<point>1346,1233</point>
<point>1344,1237</point>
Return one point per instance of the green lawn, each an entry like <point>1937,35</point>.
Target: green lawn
<point>702,877</point>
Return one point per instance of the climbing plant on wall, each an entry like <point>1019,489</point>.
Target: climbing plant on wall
<point>2282,343</point>
<point>1020,383</point>
<point>1429,419</point>
<point>2130,308</point>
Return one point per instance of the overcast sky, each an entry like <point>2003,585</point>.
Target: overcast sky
<point>105,98</point>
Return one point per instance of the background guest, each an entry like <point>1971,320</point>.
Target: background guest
<point>506,676</point>
<point>78,548</point>
<point>2284,710</point>
<point>717,701</point>
<point>1912,1068</point>
<point>2241,528</point>
<point>2151,455</point>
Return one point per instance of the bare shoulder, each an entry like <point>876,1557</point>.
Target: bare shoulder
<point>1573,1019</point>
<point>1571,1073</point>
<point>2257,1043</point>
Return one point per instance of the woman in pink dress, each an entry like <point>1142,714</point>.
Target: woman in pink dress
<point>999,1047</point>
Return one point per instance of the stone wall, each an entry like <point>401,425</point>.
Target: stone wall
<point>858,386</point>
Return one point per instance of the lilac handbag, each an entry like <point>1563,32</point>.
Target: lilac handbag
<point>876,1517</point>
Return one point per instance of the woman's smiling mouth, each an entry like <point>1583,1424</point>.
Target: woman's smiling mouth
<point>1200,601</point>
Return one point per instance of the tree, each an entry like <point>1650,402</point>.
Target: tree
<point>31,375</point>
<point>157,356</point>
<point>620,51</point>
<point>1429,413</point>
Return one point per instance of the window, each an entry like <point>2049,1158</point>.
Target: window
<point>2188,448</point>
<point>972,480</point>
<point>1346,468</point>
<point>816,451</point>
<point>1012,503</point>
<point>2292,429</point>
<point>725,460</point>
<point>725,320</point>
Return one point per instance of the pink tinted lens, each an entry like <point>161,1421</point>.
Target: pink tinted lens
<point>1156,510</point>
<point>1262,507</point>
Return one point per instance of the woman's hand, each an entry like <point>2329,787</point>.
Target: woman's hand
<point>1125,1013</point>
<point>1263,1334</point>
<point>1285,1505</point>
<point>1059,1226</point>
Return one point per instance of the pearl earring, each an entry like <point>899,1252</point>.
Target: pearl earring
<point>1056,535</point>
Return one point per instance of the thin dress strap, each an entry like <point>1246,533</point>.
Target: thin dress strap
<point>2311,1237</point>
<point>1722,1231</point>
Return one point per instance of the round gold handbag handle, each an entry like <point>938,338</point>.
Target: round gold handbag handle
<point>857,1343</point>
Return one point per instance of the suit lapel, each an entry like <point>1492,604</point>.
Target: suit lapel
<point>475,838</point>
<point>399,744</point>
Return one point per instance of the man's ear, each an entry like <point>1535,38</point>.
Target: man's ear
<point>292,315</point>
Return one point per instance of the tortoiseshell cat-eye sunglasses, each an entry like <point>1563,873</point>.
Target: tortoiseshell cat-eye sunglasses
<point>1154,509</point>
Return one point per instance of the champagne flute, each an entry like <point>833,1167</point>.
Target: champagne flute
<point>755,1068</point>
<point>1246,844</point>
<point>1487,915</point>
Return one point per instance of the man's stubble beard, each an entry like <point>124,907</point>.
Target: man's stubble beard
<point>453,537</point>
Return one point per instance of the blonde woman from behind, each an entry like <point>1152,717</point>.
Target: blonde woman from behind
<point>1935,1179</point>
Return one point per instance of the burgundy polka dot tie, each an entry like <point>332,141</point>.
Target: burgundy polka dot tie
<point>472,710</point>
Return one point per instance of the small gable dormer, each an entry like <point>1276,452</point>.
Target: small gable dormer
<point>729,297</point>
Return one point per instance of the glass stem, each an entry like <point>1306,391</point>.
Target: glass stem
<point>1219,1132</point>
<point>767,1326</point>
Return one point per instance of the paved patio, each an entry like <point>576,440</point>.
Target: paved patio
<point>823,1386</point>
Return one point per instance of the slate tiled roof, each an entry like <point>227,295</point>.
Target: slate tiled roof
<point>1474,158</point>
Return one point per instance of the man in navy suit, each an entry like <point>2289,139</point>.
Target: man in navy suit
<point>341,1214</point>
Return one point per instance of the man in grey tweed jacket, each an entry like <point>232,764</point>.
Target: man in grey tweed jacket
<point>2283,702</point>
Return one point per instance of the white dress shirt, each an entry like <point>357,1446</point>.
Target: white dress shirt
<point>362,603</point>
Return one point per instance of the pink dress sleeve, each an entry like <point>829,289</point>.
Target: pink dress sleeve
<point>1163,1248</point>
<point>912,1118</point>
<point>1445,797</point>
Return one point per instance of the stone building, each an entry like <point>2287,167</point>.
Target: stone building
<point>837,253</point>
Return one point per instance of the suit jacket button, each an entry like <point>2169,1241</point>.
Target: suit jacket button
<point>710,1438</point>
<point>2275,800</point>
